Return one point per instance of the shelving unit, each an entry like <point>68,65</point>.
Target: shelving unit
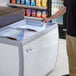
<point>34,18</point>
<point>27,6</point>
<point>32,8</point>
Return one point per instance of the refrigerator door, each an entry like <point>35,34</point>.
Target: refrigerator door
<point>56,5</point>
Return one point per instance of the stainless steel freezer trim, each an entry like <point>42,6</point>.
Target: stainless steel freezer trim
<point>21,60</point>
<point>9,42</point>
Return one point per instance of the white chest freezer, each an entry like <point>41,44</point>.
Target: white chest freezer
<point>31,52</point>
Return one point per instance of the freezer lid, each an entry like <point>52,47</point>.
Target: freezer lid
<point>16,34</point>
<point>22,30</point>
<point>19,33</point>
<point>31,24</point>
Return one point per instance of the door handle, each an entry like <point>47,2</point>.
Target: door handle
<point>28,49</point>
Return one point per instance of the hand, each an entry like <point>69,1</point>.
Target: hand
<point>46,20</point>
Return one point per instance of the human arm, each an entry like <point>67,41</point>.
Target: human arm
<point>57,14</point>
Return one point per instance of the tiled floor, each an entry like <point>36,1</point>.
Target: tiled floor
<point>62,61</point>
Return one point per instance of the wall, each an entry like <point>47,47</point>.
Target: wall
<point>4,2</point>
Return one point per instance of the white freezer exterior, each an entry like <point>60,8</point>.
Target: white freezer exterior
<point>35,56</point>
<point>9,60</point>
<point>40,55</point>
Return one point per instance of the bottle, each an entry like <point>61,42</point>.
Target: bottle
<point>38,3</point>
<point>44,14</point>
<point>28,12</point>
<point>33,2</point>
<point>44,3</point>
<point>38,13</point>
<point>18,1</point>
<point>28,2</point>
<point>33,13</point>
<point>22,1</point>
<point>24,12</point>
<point>13,1</point>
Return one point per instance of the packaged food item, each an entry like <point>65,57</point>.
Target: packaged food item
<point>38,13</point>
<point>44,14</point>
<point>24,12</point>
<point>22,1</point>
<point>28,12</point>
<point>44,3</point>
<point>13,1</point>
<point>28,2</point>
<point>33,2</point>
<point>18,1</point>
<point>38,3</point>
<point>33,13</point>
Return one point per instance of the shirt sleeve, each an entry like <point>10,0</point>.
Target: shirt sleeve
<point>65,2</point>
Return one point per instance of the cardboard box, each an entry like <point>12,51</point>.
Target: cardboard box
<point>10,15</point>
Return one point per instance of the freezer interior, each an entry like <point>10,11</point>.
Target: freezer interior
<point>23,29</point>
